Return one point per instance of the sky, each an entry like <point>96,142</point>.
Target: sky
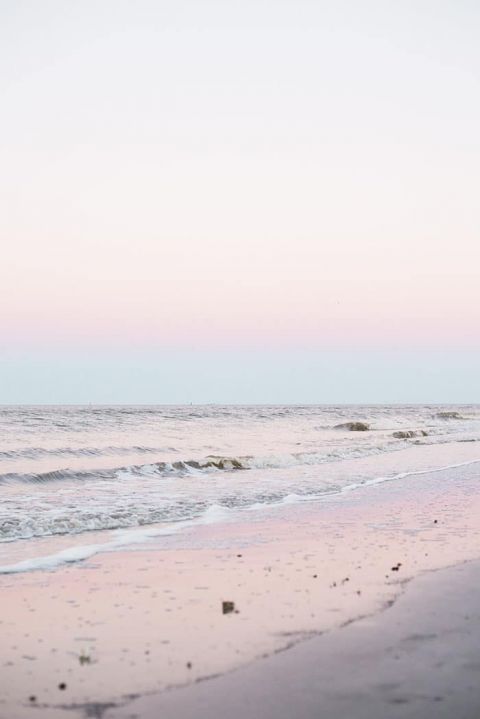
<point>242,201</point>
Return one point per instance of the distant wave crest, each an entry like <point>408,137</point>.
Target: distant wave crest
<point>40,452</point>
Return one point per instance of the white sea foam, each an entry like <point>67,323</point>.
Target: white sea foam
<point>83,552</point>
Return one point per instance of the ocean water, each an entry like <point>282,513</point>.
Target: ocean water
<point>117,475</point>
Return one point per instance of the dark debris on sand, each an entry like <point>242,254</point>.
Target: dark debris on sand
<point>228,607</point>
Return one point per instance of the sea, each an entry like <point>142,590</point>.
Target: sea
<point>76,480</point>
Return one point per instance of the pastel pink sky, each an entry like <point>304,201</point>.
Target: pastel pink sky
<point>239,174</point>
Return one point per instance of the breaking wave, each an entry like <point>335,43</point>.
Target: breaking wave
<point>207,465</point>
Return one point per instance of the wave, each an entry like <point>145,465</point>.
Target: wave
<point>209,464</point>
<point>179,468</point>
<point>139,512</point>
<point>212,515</point>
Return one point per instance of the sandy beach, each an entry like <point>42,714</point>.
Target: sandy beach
<point>344,586</point>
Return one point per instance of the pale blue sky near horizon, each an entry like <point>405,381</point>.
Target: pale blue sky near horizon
<point>242,377</point>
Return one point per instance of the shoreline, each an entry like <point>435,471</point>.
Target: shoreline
<point>150,618</point>
<point>53,551</point>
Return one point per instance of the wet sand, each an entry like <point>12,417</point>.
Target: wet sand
<point>133,633</point>
<point>419,659</point>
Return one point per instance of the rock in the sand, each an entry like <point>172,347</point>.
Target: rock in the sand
<point>228,607</point>
<point>449,415</point>
<point>409,433</point>
<point>354,426</point>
